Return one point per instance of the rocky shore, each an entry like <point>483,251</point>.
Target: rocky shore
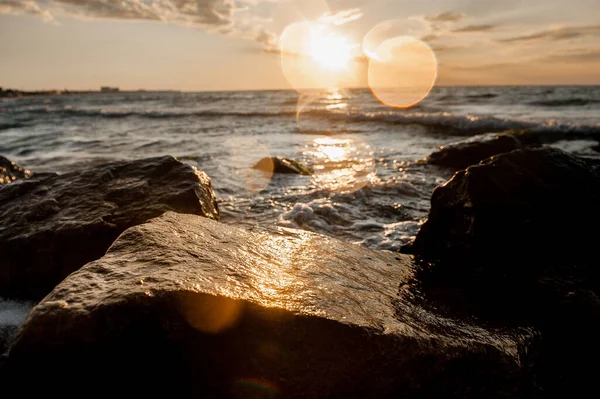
<point>144,292</point>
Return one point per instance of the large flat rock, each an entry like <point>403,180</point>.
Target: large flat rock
<point>188,307</point>
<point>51,226</point>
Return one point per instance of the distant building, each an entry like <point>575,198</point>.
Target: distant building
<point>106,89</point>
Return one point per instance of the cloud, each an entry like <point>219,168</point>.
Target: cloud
<point>557,34</point>
<point>211,13</point>
<point>228,17</point>
<point>342,17</point>
<point>574,55</point>
<point>24,7</point>
<point>206,13</point>
<point>474,28</point>
<point>448,16</point>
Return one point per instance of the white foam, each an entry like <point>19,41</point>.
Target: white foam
<point>394,235</point>
<point>320,215</point>
<point>13,313</point>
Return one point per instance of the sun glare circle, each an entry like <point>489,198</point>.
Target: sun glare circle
<point>328,50</point>
<point>316,57</point>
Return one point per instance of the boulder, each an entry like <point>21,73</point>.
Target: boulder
<point>50,227</point>
<point>462,155</point>
<point>513,241</point>
<point>281,165</point>
<point>188,307</point>
<point>10,171</point>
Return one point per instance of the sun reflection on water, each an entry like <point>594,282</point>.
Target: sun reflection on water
<point>341,164</point>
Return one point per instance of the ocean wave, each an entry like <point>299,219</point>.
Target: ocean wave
<point>6,126</point>
<point>567,102</point>
<point>100,113</point>
<point>439,122</point>
<point>469,125</point>
<point>481,96</point>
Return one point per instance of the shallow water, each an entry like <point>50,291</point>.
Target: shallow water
<point>367,187</point>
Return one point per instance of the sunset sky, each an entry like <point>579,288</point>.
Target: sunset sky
<point>195,45</point>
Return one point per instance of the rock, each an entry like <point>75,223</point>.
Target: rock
<point>202,309</point>
<point>512,241</point>
<point>52,226</point>
<point>281,165</point>
<point>10,171</point>
<point>463,155</point>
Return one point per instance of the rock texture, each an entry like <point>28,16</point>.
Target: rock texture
<point>513,241</point>
<point>50,227</point>
<point>196,308</point>
<point>281,165</point>
<point>10,171</point>
<point>463,155</point>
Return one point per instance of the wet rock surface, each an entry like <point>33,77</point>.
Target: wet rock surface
<point>10,171</point>
<point>281,165</point>
<point>201,309</point>
<point>51,226</point>
<point>513,241</point>
<point>463,155</point>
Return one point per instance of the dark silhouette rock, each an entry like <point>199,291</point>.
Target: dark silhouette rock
<point>513,241</point>
<point>202,309</point>
<point>50,227</point>
<point>463,155</point>
<point>10,171</point>
<point>281,165</point>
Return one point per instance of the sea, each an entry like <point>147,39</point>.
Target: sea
<point>370,185</point>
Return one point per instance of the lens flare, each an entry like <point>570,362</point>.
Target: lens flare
<point>389,30</point>
<point>330,51</point>
<point>314,57</point>
<point>402,71</point>
<point>209,314</point>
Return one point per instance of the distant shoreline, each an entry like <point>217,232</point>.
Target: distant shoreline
<point>15,93</point>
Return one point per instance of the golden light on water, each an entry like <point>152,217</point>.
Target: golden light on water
<point>402,71</point>
<point>330,102</point>
<point>341,164</point>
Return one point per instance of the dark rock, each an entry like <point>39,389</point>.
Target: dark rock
<point>52,226</point>
<point>281,165</point>
<point>201,309</point>
<point>463,155</point>
<point>513,241</point>
<point>10,171</point>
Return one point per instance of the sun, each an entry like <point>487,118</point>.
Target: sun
<point>329,50</point>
